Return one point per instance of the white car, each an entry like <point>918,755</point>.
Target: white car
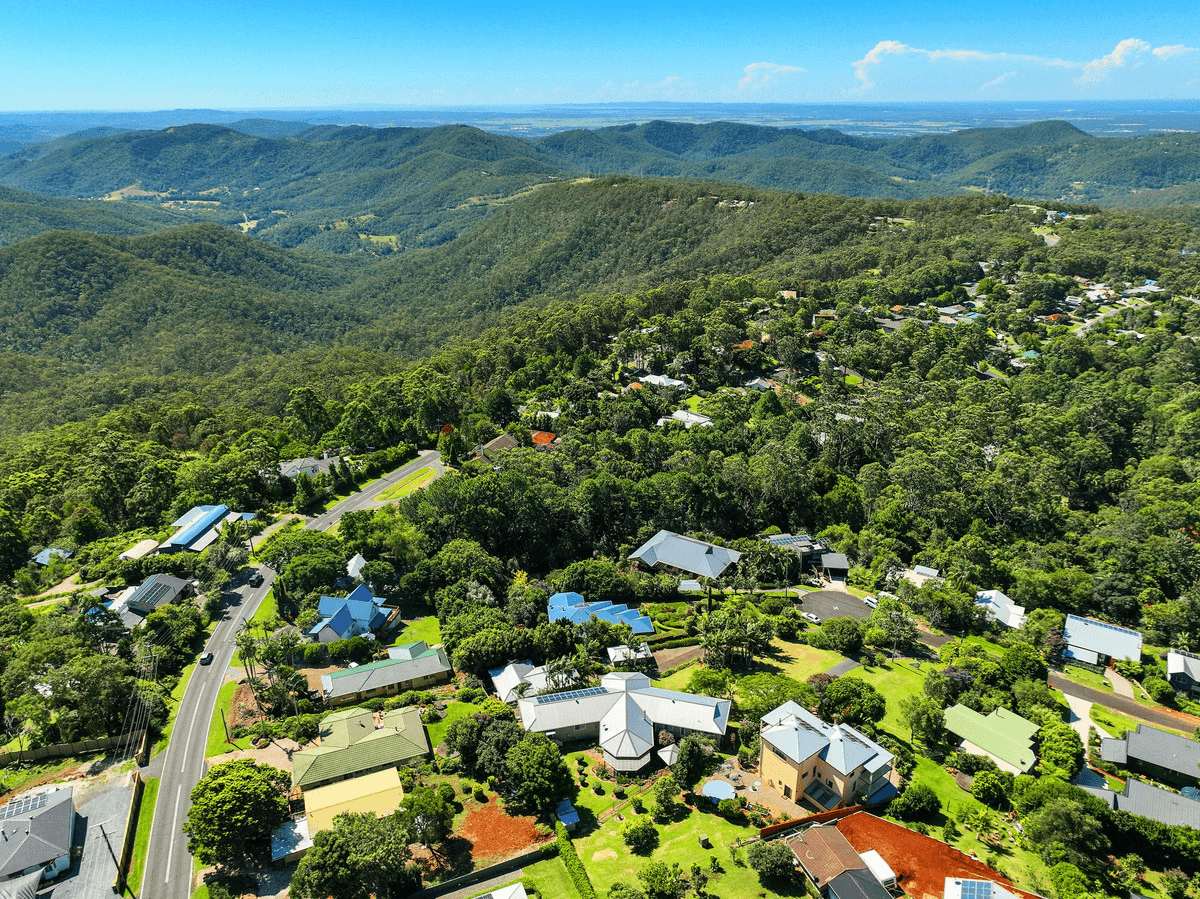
<point>809,616</point>
<point>871,601</point>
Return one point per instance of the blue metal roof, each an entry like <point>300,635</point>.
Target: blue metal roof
<point>44,557</point>
<point>198,520</point>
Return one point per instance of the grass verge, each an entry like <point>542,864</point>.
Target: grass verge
<point>141,836</point>
<point>410,484</point>
<point>216,731</point>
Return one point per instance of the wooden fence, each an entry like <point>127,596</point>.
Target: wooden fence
<point>63,750</point>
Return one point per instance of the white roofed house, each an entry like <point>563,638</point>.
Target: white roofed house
<point>625,716</point>
<point>1183,670</point>
<point>1000,608</point>
<point>1098,642</point>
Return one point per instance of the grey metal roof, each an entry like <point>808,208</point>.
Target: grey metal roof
<point>1162,805</point>
<point>1166,750</point>
<point>672,550</point>
<point>799,734</point>
<point>35,830</point>
<point>857,883</point>
<point>382,674</point>
<point>1186,663</point>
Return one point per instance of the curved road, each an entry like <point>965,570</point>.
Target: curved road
<point>168,863</point>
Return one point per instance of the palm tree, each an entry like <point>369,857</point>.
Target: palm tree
<point>247,645</point>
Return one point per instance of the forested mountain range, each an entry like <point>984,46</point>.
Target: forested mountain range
<point>385,189</point>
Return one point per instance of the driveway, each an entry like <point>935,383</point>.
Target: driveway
<point>834,604</point>
<point>101,809</point>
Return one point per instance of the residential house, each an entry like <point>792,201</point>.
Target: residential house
<point>544,440</point>
<point>519,679</point>
<point>491,450</point>
<point>308,466</point>
<point>36,831</point>
<point>760,385</point>
<point>821,765</point>
<point>918,575</point>
<point>1098,642</point>
<point>197,528</point>
<point>1000,608</point>
<point>1153,802</point>
<point>664,381</point>
<point>826,856</point>
<point>667,550</point>
<point>379,793</point>
<point>573,608</point>
<point>158,590</point>
<point>354,742</point>
<point>1003,736</point>
<point>687,418</point>
<point>625,715</point>
<point>1183,671</point>
<point>414,666</point>
<point>809,549</point>
<point>1164,756</point>
<point>49,554</point>
<point>355,566</point>
<point>358,614</point>
<point>965,888</point>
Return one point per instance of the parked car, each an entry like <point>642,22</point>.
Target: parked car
<point>870,601</point>
<point>256,579</point>
<point>206,659</point>
<point>809,616</point>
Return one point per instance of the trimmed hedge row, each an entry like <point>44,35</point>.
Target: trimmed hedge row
<point>566,851</point>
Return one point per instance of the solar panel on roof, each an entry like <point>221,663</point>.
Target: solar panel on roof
<point>976,889</point>
<point>570,694</point>
<point>23,806</point>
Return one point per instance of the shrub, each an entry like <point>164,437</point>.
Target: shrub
<point>772,860</point>
<point>480,795</point>
<point>918,801</point>
<point>1159,690</point>
<point>992,788</point>
<point>446,791</point>
<point>641,836</point>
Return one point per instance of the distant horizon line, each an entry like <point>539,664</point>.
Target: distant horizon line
<point>389,107</point>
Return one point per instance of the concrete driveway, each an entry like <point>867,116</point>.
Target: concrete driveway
<point>834,604</point>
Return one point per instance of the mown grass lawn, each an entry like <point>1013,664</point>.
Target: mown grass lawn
<point>1113,722</point>
<point>216,731</point>
<point>894,681</point>
<point>454,711</point>
<point>798,660</point>
<point>141,837</point>
<point>608,860</point>
<point>551,878</point>
<point>426,629</point>
<point>1086,677</point>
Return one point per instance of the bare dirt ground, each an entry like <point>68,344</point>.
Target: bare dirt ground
<point>495,835</point>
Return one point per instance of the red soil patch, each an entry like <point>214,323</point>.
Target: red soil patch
<point>921,864</point>
<point>493,832</point>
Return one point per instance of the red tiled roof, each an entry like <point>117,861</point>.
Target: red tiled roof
<point>542,438</point>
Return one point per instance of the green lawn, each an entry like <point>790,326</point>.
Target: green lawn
<point>679,679</point>
<point>216,731</point>
<point>551,878</point>
<point>894,680</point>
<point>1113,722</point>
<point>608,860</point>
<point>1086,677</point>
<point>410,484</point>
<point>141,836</point>
<point>426,629</point>
<point>454,711</point>
<point>799,660</point>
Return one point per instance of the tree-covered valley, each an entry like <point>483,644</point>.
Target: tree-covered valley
<point>1004,390</point>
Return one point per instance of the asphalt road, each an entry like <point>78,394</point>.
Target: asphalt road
<point>1130,707</point>
<point>834,604</point>
<point>168,863</point>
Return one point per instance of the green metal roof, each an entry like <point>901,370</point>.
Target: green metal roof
<point>1005,735</point>
<point>352,744</point>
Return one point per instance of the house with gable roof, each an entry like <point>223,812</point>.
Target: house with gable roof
<point>197,528</point>
<point>624,715</point>
<point>1183,670</point>
<point>1000,608</point>
<point>1003,736</point>
<point>36,831</point>
<point>358,614</point>
<point>414,666</point>
<point>1098,642</point>
<point>1161,754</point>
<point>819,764</point>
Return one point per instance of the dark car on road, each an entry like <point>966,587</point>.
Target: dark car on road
<point>206,659</point>
<point>256,579</point>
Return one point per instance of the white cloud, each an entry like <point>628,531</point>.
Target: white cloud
<point>1125,53</point>
<point>875,55</point>
<point>999,80</point>
<point>1172,50</point>
<point>761,74</point>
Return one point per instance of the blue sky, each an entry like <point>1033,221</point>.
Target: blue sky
<point>138,55</point>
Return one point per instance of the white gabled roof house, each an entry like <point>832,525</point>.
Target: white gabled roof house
<point>670,550</point>
<point>1000,608</point>
<point>625,715</point>
<point>1097,642</point>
